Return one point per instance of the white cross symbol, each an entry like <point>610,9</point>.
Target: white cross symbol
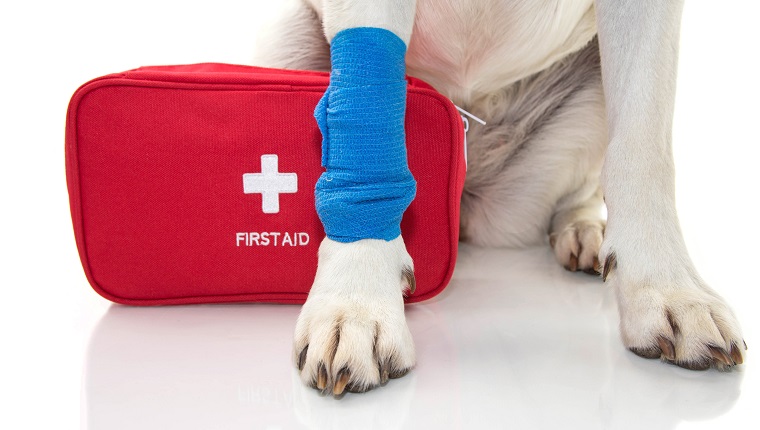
<point>270,183</point>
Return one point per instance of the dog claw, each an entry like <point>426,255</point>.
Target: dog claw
<point>719,354</point>
<point>408,274</point>
<point>398,373</point>
<point>302,357</point>
<point>384,374</point>
<point>667,348</point>
<point>573,265</point>
<point>609,264</point>
<point>736,355</point>
<point>321,377</point>
<point>664,349</point>
<point>341,381</point>
<point>595,269</point>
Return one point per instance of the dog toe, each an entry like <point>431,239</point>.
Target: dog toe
<point>351,335</point>
<point>687,325</point>
<point>577,246</point>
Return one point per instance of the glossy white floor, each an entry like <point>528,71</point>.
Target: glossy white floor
<point>514,341</point>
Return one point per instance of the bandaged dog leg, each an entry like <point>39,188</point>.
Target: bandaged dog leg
<point>352,334</point>
<point>367,185</point>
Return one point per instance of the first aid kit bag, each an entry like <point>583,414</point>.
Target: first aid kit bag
<point>195,184</point>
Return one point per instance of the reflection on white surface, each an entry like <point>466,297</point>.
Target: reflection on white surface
<point>514,341</point>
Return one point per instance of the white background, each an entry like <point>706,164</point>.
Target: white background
<point>514,341</point>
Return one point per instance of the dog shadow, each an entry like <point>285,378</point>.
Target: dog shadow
<point>514,341</point>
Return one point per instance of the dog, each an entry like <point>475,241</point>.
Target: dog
<point>578,101</point>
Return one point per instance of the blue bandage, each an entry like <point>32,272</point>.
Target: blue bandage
<point>367,185</point>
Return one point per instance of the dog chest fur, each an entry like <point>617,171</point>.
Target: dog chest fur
<point>467,49</point>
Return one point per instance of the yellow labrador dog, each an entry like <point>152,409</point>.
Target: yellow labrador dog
<point>578,99</point>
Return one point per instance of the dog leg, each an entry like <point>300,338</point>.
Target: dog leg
<point>577,231</point>
<point>666,309</point>
<point>352,334</point>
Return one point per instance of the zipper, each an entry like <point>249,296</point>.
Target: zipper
<point>466,124</point>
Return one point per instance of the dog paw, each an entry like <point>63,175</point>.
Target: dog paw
<point>577,246</point>
<point>682,321</point>
<point>352,334</point>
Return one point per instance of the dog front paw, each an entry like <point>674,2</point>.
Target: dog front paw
<point>352,334</point>
<point>676,318</point>
<point>577,245</point>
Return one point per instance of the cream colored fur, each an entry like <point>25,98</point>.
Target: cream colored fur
<point>529,67</point>
<point>354,318</point>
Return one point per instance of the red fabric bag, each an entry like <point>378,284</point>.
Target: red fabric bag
<point>167,169</point>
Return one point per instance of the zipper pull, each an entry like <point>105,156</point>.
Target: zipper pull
<point>466,122</point>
